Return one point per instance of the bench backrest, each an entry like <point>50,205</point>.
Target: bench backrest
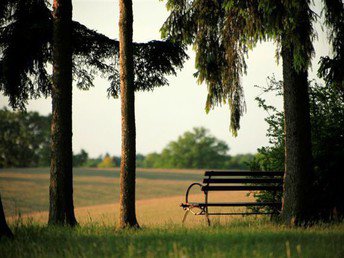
<point>243,181</point>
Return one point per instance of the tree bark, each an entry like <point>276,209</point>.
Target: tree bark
<point>5,231</point>
<point>127,214</point>
<point>298,178</point>
<point>61,210</point>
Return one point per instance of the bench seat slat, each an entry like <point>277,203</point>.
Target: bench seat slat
<point>235,204</point>
<point>242,188</point>
<point>243,180</point>
<point>244,173</point>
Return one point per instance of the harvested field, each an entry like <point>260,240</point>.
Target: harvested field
<point>96,192</point>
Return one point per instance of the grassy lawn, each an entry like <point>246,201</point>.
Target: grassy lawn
<point>239,238</point>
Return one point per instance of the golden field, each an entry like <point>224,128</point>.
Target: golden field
<point>96,193</point>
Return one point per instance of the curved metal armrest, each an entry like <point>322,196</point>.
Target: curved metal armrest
<point>188,190</point>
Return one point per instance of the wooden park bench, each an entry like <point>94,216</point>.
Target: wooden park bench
<point>234,181</point>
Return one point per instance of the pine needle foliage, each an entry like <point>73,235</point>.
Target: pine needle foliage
<point>223,31</point>
<point>332,69</point>
<point>26,55</point>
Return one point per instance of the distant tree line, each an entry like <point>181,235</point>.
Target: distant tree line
<point>24,139</point>
<point>158,160</point>
<point>196,149</point>
<point>25,142</point>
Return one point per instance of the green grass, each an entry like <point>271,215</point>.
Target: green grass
<point>26,190</point>
<point>240,238</point>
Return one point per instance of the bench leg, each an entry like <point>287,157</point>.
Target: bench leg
<point>185,215</point>
<point>207,217</point>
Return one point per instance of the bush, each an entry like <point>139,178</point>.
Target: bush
<point>107,162</point>
<point>327,123</point>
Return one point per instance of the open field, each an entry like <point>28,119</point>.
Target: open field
<point>159,193</point>
<point>26,190</point>
<point>162,235</point>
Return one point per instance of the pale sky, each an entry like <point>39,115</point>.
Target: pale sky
<point>169,111</point>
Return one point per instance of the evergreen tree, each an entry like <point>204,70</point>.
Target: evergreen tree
<point>28,30</point>
<point>222,32</point>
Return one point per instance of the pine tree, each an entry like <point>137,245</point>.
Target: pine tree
<point>222,32</point>
<point>23,75</point>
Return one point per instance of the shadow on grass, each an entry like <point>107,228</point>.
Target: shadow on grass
<point>242,238</point>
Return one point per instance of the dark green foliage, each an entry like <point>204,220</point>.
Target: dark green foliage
<point>239,161</point>
<point>93,163</point>
<point>292,21</point>
<point>195,149</point>
<point>153,160</point>
<point>25,52</point>
<point>223,31</point>
<point>24,139</point>
<point>25,43</point>
<point>327,114</point>
<point>152,62</point>
<point>332,69</point>
<point>218,39</point>
<point>80,159</point>
<point>139,160</point>
<point>327,120</point>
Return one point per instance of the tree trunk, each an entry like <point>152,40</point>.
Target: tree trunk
<point>127,214</point>
<point>298,178</point>
<point>4,229</point>
<point>61,209</point>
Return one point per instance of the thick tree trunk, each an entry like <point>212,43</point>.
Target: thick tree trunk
<point>298,179</point>
<point>127,214</point>
<point>5,231</point>
<point>61,169</point>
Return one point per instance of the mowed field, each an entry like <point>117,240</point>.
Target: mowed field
<point>25,193</point>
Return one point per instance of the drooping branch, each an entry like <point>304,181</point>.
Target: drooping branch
<point>220,49</point>
<point>25,62</point>
<point>332,69</point>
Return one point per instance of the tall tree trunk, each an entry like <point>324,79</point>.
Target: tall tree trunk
<point>298,178</point>
<point>61,209</point>
<point>4,229</point>
<point>127,214</point>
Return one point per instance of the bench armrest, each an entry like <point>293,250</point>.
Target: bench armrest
<point>188,190</point>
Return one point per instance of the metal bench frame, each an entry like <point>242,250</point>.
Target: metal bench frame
<point>234,181</point>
